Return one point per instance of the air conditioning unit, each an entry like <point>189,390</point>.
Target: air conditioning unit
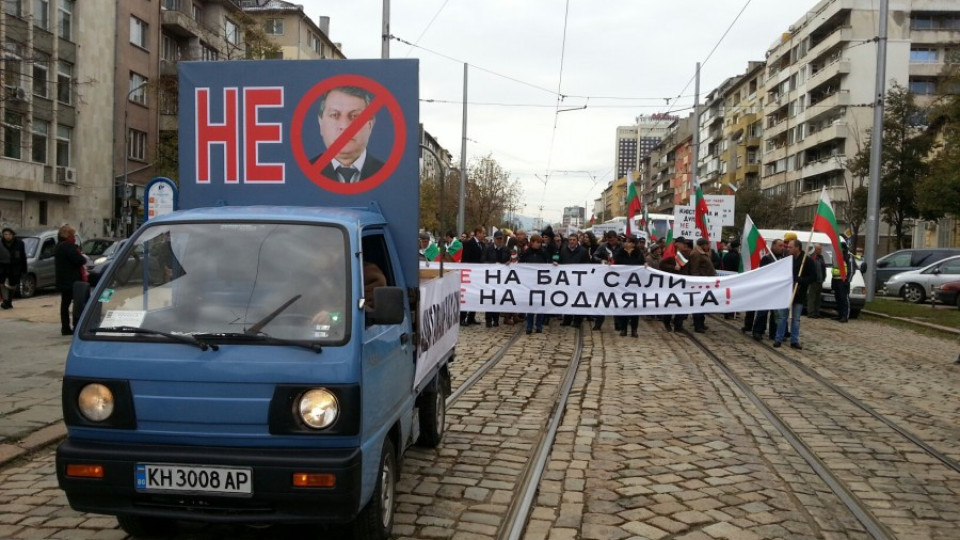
<point>67,175</point>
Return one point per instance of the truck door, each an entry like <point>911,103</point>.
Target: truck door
<point>388,350</point>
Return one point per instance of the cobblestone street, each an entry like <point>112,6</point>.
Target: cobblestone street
<point>655,442</point>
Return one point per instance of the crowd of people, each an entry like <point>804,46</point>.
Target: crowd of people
<point>685,257</point>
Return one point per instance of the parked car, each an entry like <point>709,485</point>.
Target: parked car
<point>97,264</point>
<point>917,285</point>
<point>909,259</point>
<point>95,247</point>
<point>949,294</point>
<point>132,271</point>
<point>40,247</point>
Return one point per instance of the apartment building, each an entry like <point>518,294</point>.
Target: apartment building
<point>625,156</point>
<point>742,129</point>
<point>665,174</point>
<point>56,93</point>
<point>819,86</point>
<point>297,36</point>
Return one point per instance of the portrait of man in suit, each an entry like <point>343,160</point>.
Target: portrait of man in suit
<point>339,108</point>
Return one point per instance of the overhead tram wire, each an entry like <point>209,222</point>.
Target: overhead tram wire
<point>556,112</point>
<point>429,24</point>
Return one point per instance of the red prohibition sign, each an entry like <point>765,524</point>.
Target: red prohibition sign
<point>381,98</point>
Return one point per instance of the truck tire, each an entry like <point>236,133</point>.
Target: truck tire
<point>146,527</point>
<point>433,414</point>
<point>375,520</point>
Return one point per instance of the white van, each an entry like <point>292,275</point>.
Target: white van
<point>858,287</point>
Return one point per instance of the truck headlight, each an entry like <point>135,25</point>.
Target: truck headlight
<point>96,402</point>
<point>319,408</point>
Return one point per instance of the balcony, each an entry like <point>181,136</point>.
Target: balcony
<point>840,98</point>
<point>935,36</point>
<point>837,130</point>
<point>824,165</point>
<point>837,67</point>
<point>168,68</point>
<point>776,129</point>
<point>926,70</point>
<point>842,35</point>
<point>178,23</point>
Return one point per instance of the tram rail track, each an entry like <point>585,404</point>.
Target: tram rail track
<point>858,507</point>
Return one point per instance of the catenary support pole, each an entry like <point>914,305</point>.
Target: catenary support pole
<point>385,44</point>
<point>463,157</point>
<point>876,152</point>
<point>695,162</point>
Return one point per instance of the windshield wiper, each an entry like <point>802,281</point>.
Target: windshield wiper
<point>182,338</point>
<point>263,338</point>
<point>257,326</point>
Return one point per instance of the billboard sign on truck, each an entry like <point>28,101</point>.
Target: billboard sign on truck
<point>303,133</point>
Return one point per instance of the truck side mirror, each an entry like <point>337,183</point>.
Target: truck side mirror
<point>388,306</point>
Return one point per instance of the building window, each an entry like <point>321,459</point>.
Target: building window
<point>169,49</point>
<point>12,143</point>
<point>12,64</point>
<point>197,13</point>
<point>231,32</point>
<point>64,138</point>
<point>65,21</point>
<point>316,44</point>
<point>41,129</point>
<point>922,55</point>
<point>41,69</point>
<point>64,82</point>
<point>273,27</point>
<point>138,32</point>
<point>273,55</point>
<point>12,7</point>
<point>208,53</point>
<point>41,14</point>
<point>138,88</point>
<point>923,87</point>
<point>172,5</point>
<point>42,213</point>
<point>137,145</point>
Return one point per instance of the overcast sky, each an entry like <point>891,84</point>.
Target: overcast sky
<point>644,50</point>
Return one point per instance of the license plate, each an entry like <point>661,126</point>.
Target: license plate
<point>193,479</point>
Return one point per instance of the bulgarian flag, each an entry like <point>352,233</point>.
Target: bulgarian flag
<point>700,214</point>
<point>432,252</point>
<point>633,201</point>
<point>753,246</point>
<point>825,221</point>
<point>671,249</point>
<point>455,249</point>
<point>645,220</point>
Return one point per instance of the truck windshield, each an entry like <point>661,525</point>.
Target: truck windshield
<point>282,280</point>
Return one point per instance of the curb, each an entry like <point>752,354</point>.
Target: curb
<point>911,321</point>
<point>36,440</point>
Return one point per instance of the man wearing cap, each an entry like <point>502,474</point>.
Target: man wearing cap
<point>424,244</point>
<point>495,253</point>
<point>604,255</point>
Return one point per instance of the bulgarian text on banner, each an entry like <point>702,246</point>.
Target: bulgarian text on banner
<point>439,322</point>
<point>585,289</point>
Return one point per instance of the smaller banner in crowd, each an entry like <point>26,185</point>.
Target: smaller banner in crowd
<point>590,289</point>
<point>439,322</point>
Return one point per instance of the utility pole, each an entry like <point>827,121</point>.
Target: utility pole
<point>876,153</point>
<point>694,180</point>
<point>385,44</point>
<point>463,157</point>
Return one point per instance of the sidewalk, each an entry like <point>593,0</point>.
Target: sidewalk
<point>32,356</point>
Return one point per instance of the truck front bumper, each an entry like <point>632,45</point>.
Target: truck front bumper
<point>274,499</point>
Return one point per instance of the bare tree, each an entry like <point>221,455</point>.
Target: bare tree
<point>490,193</point>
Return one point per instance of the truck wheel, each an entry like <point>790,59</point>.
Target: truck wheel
<point>433,414</point>
<point>28,286</point>
<point>375,520</point>
<point>146,527</point>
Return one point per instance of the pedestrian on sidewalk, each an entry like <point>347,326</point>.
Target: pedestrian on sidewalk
<point>13,264</point>
<point>69,265</point>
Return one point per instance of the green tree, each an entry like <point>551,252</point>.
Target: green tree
<point>939,193</point>
<point>903,163</point>
<point>767,211</point>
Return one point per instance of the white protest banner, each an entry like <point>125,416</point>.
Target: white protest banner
<point>590,289</point>
<point>600,228</point>
<point>720,209</point>
<point>439,322</point>
<point>685,225</point>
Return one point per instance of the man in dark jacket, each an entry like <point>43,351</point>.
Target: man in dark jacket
<point>573,253</point>
<point>840,286</point>
<point>68,265</point>
<point>758,323</point>
<point>816,288</point>
<point>731,263</point>
<point>700,264</point>
<point>13,264</point>
<point>473,253</point>
<point>535,254</point>
<point>495,253</point>
<point>803,275</point>
<point>673,265</point>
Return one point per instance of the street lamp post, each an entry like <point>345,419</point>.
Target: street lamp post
<point>126,212</point>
